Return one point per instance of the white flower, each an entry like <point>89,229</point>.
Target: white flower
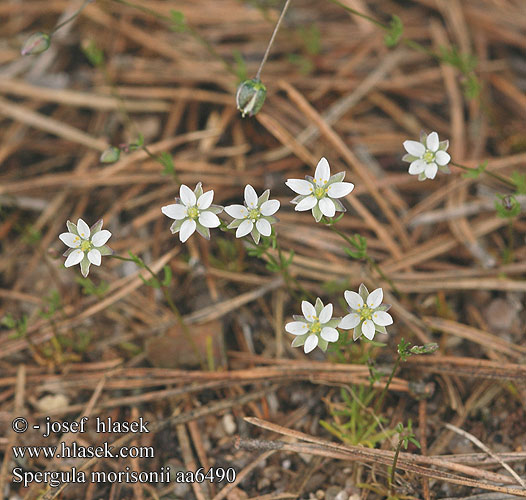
<point>320,194</point>
<point>367,314</point>
<point>315,327</point>
<point>86,245</point>
<point>255,216</point>
<point>427,156</point>
<point>193,211</point>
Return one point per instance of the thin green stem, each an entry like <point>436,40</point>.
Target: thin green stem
<point>393,468</point>
<point>499,177</point>
<point>69,19</point>
<point>379,402</point>
<point>172,306</point>
<point>274,33</point>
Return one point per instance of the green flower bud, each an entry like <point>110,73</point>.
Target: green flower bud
<point>111,155</point>
<point>250,97</point>
<point>36,44</point>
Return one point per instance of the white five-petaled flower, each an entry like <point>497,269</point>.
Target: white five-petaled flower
<point>316,327</point>
<point>255,217</point>
<point>427,156</point>
<point>86,245</point>
<point>367,314</point>
<point>320,193</point>
<point>193,211</point>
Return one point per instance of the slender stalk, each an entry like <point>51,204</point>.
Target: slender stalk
<point>379,402</point>
<point>63,23</point>
<point>173,308</point>
<point>276,28</point>
<point>499,177</point>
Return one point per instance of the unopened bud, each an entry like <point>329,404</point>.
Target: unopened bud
<point>424,349</point>
<point>111,155</point>
<point>250,97</point>
<point>36,44</point>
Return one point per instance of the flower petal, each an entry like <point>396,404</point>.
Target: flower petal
<point>263,226</point>
<point>375,298</point>
<point>74,258</point>
<point>236,211</point>
<point>94,257</point>
<point>300,186</point>
<point>353,299</point>
<point>187,196</point>
<point>306,204</point>
<point>322,173</point>
<point>100,238</point>
<point>208,219</point>
<point>325,314</point>
<point>308,310</point>
<point>297,327</point>
<point>442,158</point>
<point>382,318</point>
<point>83,229</point>
<point>349,321</point>
<point>340,189</point>
<point>417,167</point>
<point>269,207</point>
<point>368,329</point>
<point>70,239</point>
<point>431,170</point>
<point>432,142</point>
<point>327,207</point>
<point>329,334</point>
<point>244,228</point>
<point>187,229</point>
<point>205,200</point>
<point>175,211</point>
<point>414,148</point>
<point>310,343</point>
<point>251,198</point>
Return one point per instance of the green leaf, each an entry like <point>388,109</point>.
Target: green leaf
<point>520,181</point>
<point>167,275</point>
<point>166,160</point>
<point>240,66</point>
<point>93,54</point>
<point>396,30</point>
<point>178,21</point>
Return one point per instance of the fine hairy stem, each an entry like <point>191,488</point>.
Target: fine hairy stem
<point>379,402</point>
<point>276,28</point>
<point>69,19</point>
<point>499,177</point>
<point>172,306</point>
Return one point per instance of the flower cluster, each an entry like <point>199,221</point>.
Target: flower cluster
<point>194,211</point>
<point>317,327</point>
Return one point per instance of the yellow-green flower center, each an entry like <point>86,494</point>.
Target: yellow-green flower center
<point>254,213</point>
<point>319,192</point>
<point>365,313</point>
<point>315,327</point>
<point>429,156</point>
<point>192,212</point>
<point>86,246</point>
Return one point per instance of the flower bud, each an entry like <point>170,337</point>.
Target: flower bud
<point>111,155</point>
<point>424,349</point>
<point>250,97</point>
<point>36,44</point>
